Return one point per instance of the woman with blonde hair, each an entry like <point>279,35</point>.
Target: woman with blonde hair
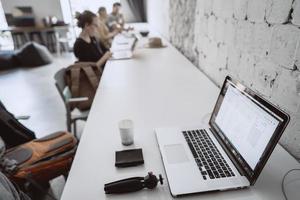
<point>105,36</point>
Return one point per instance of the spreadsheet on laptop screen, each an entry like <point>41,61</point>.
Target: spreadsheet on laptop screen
<point>246,125</point>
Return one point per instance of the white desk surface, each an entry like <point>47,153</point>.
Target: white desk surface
<point>158,88</point>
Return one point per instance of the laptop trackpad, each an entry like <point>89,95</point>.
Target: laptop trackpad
<point>175,153</point>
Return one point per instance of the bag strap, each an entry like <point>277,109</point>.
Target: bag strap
<point>91,76</point>
<point>75,78</point>
<point>29,179</point>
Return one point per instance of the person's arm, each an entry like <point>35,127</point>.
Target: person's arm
<point>103,59</point>
<point>113,34</point>
<point>121,21</point>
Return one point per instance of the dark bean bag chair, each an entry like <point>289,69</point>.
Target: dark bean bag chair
<point>30,55</point>
<point>33,54</point>
<point>8,60</point>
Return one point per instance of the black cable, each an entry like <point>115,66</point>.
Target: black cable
<point>282,183</point>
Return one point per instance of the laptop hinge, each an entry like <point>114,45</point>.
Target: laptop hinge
<point>230,155</point>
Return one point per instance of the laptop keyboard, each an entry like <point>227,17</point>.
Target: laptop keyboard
<point>210,162</point>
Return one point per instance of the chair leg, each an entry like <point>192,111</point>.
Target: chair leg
<point>66,176</point>
<point>75,129</point>
<point>69,128</point>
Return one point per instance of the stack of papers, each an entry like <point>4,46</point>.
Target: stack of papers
<point>119,55</point>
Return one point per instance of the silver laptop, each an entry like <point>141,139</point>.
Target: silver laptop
<point>229,152</point>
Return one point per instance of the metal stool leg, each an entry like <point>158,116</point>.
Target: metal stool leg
<point>51,41</point>
<point>75,129</point>
<point>38,36</point>
<point>19,40</point>
<point>69,124</point>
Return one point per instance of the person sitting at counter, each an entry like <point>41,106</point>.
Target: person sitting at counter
<point>86,47</point>
<point>105,36</point>
<point>115,20</point>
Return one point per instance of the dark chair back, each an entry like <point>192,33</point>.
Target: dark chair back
<point>12,131</point>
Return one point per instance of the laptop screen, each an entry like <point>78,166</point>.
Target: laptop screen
<point>248,126</point>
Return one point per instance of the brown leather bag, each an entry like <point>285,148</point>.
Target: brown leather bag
<point>83,79</point>
<point>43,159</point>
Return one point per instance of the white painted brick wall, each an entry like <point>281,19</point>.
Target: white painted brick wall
<point>230,32</point>
<point>244,35</point>
<point>286,93</point>
<point>227,9</point>
<point>255,41</point>
<point>262,39</point>
<point>297,57</point>
<point>266,77</point>
<point>291,137</point>
<point>211,26</point>
<point>283,45</point>
<point>277,11</point>
<point>240,9</point>
<point>212,52</point>
<point>256,10</point>
<point>234,59</point>
<point>220,29</point>
<point>208,6</point>
<point>221,61</point>
<point>217,7</point>
<point>203,59</point>
<point>246,68</point>
<point>203,26</point>
<point>296,13</point>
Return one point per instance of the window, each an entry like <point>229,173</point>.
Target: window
<point>92,5</point>
<point>6,42</point>
<point>3,23</point>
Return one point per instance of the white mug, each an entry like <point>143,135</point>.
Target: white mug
<point>126,131</point>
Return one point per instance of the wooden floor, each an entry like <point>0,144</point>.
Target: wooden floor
<point>31,91</point>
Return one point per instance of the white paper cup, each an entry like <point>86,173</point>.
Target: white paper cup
<point>126,131</point>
